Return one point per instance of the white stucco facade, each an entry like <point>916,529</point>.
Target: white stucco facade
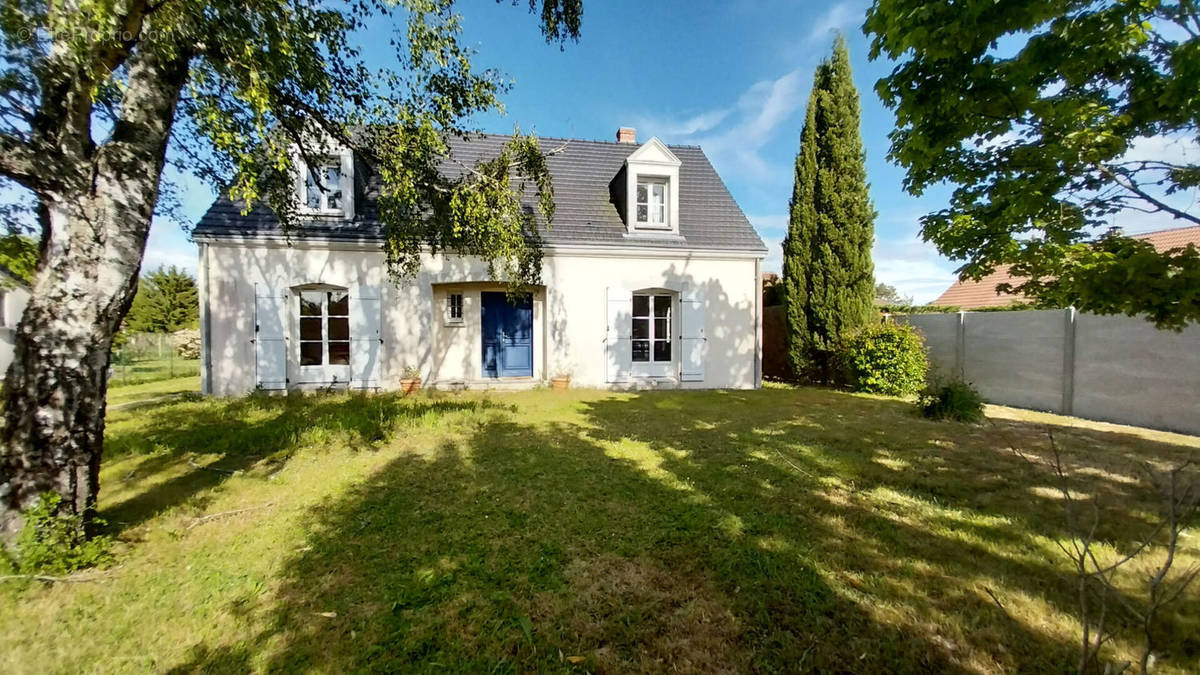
<point>581,316</point>
<point>14,295</point>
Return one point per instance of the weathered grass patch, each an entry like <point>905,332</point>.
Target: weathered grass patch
<point>783,529</point>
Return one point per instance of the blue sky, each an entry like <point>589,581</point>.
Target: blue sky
<point>730,76</point>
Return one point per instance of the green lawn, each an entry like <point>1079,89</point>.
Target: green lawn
<point>775,530</point>
<point>151,370</point>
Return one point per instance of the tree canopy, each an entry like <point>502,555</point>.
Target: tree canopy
<point>271,85</point>
<point>167,300</point>
<point>1050,117</point>
<point>827,270</point>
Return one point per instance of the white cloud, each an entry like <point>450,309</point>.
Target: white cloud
<point>913,267</point>
<point>168,245</point>
<point>772,228</point>
<point>760,112</point>
<point>836,19</point>
<point>734,136</point>
<point>697,124</point>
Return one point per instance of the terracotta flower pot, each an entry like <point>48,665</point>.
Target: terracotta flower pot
<point>409,385</point>
<point>560,383</point>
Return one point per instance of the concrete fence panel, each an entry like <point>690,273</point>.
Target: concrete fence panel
<point>941,338</point>
<point>1128,371</point>
<point>1112,368</point>
<point>1016,357</point>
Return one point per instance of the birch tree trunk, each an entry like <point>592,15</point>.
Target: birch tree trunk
<point>95,224</point>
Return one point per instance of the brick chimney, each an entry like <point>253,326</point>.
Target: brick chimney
<point>627,135</point>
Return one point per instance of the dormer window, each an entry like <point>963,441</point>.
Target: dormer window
<point>325,181</point>
<point>323,187</point>
<point>648,194</point>
<point>652,202</point>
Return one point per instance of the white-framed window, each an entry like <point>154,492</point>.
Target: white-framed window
<point>651,203</point>
<point>454,308</point>
<point>324,328</point>
<point>651,330</point>
<point>321,190</point>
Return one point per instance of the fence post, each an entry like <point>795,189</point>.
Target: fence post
<point>960,347</point>
<point>1068,390</point>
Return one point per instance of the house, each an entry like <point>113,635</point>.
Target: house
<point>650,278</point>
<point>975,294</point>
<point>14,295</point>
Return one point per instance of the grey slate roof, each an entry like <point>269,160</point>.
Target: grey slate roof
<point>709,218</point>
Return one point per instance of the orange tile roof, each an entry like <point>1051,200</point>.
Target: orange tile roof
<point>982,293</point>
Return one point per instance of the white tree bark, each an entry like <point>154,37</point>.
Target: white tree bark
<point>95,221</point>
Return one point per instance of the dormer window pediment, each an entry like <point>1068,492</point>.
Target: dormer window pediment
<point>652,189</point>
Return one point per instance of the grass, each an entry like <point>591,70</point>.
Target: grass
<point>782,529</point>
<point>152,370</point>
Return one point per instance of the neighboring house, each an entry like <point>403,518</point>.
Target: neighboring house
<point>983,293</point>
<point>14,295</point>
<point>651,278</point>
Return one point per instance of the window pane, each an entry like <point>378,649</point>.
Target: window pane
<point>643,214</point>
<point>641,350</point>
<point>660,329</point>
<point>339,328</point>
<point>339,353</point>
<point>660,214</point>
<point>662,350</point>
<point>641,329</point>
<point>310,303</point>
<point>310,328</point>
<point>339,303</point>
<point>310,353</point>
<point>333,184</point>
<point>641,305</point>
<point>662,305</point>
<point>641,193</point>
<point>312,192</point>
<point>658,192</point>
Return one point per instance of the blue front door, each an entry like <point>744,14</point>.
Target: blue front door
<point>507,335</point>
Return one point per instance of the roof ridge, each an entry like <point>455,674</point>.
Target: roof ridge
<point>1165,229</point>
<point>598,141</point>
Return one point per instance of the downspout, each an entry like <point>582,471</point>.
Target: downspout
<point>205,325</point>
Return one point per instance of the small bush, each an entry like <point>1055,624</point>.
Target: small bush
<point>53,542</point>
<point>888,358</point>
<point>955,399</point>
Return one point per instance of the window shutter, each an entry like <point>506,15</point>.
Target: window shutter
<point>693,347</point>
<point>617,344</point>
<point>270,338</point>
<point>366,337</point>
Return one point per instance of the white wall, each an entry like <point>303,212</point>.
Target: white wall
<point>15,298</point>
<point>569,311</point>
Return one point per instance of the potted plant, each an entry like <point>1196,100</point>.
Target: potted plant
<point>561,380</point>
<point>410,380</point>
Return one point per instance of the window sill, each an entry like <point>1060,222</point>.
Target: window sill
<point>664,234</point>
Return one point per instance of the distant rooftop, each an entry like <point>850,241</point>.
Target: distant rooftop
<point>983,293</point>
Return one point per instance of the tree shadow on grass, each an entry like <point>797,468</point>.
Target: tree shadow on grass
<point>205,442</point>
<point>523,544</point>
<point>922,519</point>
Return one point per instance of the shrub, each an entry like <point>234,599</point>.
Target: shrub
<point>53,542</point>
<point>955,399</point>
<point>888,358</point>
<point>187,343</point>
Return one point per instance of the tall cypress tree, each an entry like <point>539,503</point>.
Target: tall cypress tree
<point>827,270</point>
